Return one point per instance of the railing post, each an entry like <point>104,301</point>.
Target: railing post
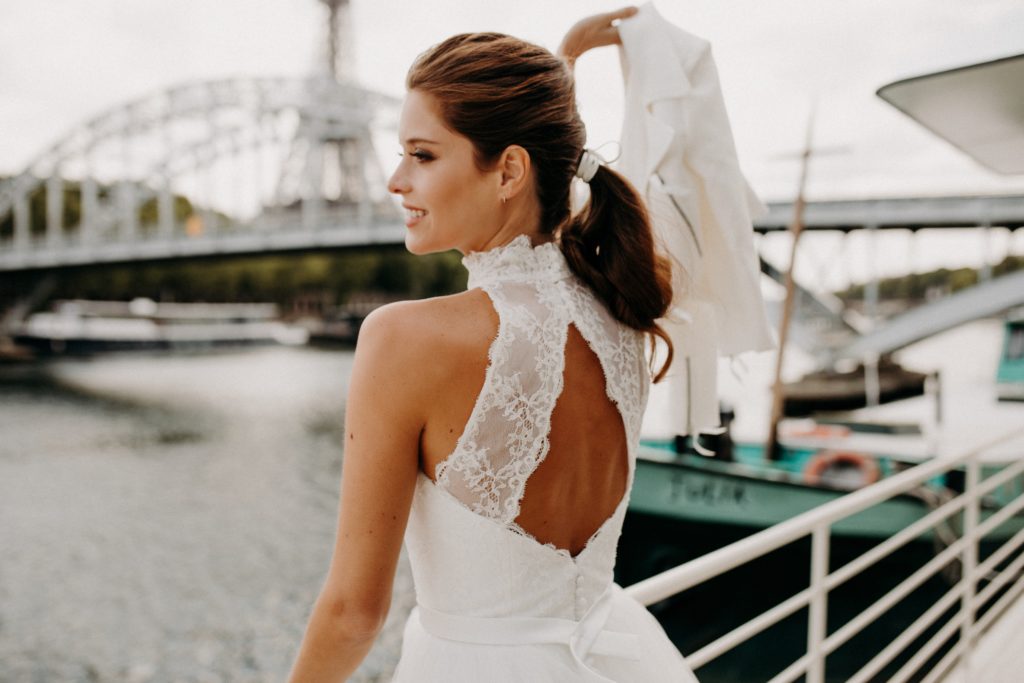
<point>817,617</point>
<point>969,558</point>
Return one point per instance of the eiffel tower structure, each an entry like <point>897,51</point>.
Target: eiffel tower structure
<point>332,162</point>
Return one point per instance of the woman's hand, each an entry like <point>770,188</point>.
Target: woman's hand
<point>591,32</point>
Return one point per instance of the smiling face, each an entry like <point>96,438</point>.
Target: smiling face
<point>449,203</point>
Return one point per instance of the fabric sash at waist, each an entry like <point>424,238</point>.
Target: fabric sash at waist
<point>586,636</point>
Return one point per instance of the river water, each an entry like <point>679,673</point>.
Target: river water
<point>170,518</point>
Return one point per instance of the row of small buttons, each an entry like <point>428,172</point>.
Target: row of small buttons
<point>581,600</point>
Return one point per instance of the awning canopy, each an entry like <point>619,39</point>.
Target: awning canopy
<point>978,108</point>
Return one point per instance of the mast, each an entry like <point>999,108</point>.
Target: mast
<point>796,228</point>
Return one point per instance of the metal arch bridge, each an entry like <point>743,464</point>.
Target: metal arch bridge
<point>257,165</point>
<point>227,166</point>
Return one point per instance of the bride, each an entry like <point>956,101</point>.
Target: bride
<point>496,430</point>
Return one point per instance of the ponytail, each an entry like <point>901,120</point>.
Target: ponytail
<point>498,91</point>
<point>610,247</point>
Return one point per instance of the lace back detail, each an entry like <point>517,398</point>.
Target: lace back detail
<point>536,298</point>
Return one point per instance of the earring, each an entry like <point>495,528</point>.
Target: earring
<point>503,199</point>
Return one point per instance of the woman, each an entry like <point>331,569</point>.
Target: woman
<point>534,375</point>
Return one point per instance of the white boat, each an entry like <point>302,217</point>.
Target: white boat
<point>80,326</point>
<point>968,627</point>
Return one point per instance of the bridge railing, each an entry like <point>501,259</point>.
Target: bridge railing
<point>209,224</point>
<point>272,230</point>
<point>817,524</point>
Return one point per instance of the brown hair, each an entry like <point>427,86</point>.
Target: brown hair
<point>497,91</point>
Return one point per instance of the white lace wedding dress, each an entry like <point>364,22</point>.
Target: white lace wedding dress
<point>493,603</point>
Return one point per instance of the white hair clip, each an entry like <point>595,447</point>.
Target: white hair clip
<point>589,163</point>
<point>590,160</point>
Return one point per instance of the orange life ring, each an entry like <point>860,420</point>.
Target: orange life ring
<point>823,460</point>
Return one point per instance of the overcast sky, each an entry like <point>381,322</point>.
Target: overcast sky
<point>62,61</point>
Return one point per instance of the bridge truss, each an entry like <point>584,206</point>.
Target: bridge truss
<point>226,166</point>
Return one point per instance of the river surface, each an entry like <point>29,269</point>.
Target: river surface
<point>170,518</point>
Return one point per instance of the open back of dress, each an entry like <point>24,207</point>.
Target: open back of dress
<point>506,590</point>
<point>546,317</point>
<point>581,481</point>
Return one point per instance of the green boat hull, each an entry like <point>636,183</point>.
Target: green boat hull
<point>692,488</point>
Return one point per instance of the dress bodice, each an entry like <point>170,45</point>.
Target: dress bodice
<point>468,555</point>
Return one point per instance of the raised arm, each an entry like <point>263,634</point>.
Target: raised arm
<point>593,31</point>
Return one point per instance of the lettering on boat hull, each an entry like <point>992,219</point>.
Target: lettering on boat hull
<point>713,492</point>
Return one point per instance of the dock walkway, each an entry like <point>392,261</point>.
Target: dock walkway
<point>998,656</point>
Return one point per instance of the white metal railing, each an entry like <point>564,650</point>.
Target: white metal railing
<point>817,524</point>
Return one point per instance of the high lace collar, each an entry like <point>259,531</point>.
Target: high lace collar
<point>517,261</point>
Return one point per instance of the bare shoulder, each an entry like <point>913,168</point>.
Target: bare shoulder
<point>429,333</point>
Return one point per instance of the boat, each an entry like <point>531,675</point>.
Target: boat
<point>830,389</point>
<point>855,438</point>
<point>752,492</point>
<point>901,579</point>
<point>742,488</point>
<point>1010,374</point>
<point>82,327</point>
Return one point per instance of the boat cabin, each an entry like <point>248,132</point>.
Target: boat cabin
<point>1010,373</point>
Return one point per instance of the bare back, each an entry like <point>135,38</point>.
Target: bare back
<point>527,429</point>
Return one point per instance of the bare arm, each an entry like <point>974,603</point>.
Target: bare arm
<point>383,420</point>
<point>593,31</point>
